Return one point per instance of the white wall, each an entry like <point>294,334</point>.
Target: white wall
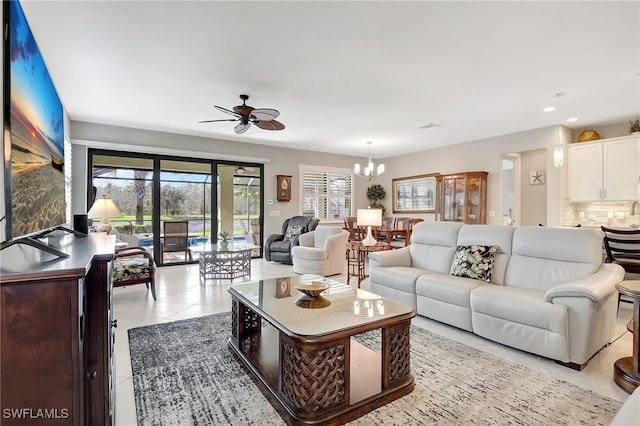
<point>533,197</point>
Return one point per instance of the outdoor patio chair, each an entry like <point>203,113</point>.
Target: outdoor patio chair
<point>176,238</point>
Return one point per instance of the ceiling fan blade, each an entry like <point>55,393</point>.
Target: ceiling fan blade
<point>264,114</point>
<point>213,121</point>
<point>270,125</point>
<point>242,127</point>
<point>228,111</point>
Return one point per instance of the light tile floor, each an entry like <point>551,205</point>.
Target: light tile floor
<point>182,295</point>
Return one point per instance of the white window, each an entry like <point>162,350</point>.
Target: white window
<point>326,192</point>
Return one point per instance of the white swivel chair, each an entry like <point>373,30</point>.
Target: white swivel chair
<point>321,251</point>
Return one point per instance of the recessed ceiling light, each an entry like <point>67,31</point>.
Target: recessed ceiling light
<point>572,119</point>
<point>549,109</point>
<point>429,126</point>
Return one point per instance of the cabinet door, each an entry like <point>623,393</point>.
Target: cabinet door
<point>448,199</point>
<point>460,200</point>
<point>621,169</point>
<point>585,172</point>
<point>474,186</point>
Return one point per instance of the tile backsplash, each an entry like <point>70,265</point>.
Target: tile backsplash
<point>609,213</point>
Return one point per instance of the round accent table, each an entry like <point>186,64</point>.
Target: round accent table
<point>625,370</point>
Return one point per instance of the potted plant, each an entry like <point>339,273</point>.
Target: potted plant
<point>634,126</point>
<point>223,238</point>
<point>375,195</point>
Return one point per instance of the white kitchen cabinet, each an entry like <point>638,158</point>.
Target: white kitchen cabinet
<point>606,170</point>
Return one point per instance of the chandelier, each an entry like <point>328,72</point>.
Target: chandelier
<point>370,170</point>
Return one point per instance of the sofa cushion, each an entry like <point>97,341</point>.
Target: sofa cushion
<point>130,269</point>
<point>519,305</point>
<point>543,257</point>
<point>292,232</point>
<point>446,288</point>
<point>474,261</point>
<point>433,244</point>
<point>397,277</point>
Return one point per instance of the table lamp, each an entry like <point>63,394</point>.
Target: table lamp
<point>104,208</point>
<point>369,218</point>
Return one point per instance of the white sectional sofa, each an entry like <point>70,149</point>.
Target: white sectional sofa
<point>549,291</point>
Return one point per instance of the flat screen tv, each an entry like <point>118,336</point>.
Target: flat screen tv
<point>33,120</point>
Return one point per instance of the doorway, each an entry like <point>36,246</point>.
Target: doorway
<point>510,190</point>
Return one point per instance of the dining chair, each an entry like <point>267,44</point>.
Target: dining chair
<point>622,246</point>
<point>388,224</point>
<point>351,225</point>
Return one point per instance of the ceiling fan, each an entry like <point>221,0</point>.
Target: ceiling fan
<point>245,114</point>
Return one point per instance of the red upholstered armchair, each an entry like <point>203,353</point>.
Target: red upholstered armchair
<point>134,265</point>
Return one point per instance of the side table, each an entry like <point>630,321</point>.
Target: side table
<point>625,370</point>
<point>231,262</point>
<point>356,256</point>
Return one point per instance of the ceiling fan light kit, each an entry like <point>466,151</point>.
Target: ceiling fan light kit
<point>264,118</point>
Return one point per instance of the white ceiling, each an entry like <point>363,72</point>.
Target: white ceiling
<point>344,72</point>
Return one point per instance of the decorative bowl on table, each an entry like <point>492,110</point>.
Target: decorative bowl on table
<point>310,297</point>
<point>314,289</point>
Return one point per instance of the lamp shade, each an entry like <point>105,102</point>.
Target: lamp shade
<point>369,217</point>
<point>103,208</point>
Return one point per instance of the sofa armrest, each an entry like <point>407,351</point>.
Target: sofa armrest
<point>399,257</point>
<point>596,287</point>
<point>267,244</point>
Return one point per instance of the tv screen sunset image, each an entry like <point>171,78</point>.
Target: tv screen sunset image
<point>37,135</point>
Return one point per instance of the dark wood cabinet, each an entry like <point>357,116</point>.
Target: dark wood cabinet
<point>463,197</point>
<point>56,336</point>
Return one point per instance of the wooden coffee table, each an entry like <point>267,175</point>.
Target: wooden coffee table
<point>306,361</point>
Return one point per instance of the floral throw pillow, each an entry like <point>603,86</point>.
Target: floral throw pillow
<point>474,261</point>
<point>292,232</point>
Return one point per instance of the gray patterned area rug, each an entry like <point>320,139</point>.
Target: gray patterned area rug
<point>184,374</point>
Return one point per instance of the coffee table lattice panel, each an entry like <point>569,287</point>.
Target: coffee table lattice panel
<point>313,380</point>
<point>399,355</point>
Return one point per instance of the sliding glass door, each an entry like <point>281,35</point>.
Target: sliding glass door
<point>128,182</point>
<point>170,204</point>
<point>240,203</point>
<point>185,208</point>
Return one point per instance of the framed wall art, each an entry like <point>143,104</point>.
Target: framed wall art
<point>284,188</point>
<point>414,194</point>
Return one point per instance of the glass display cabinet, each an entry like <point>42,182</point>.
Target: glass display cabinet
<point>463,197</point>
